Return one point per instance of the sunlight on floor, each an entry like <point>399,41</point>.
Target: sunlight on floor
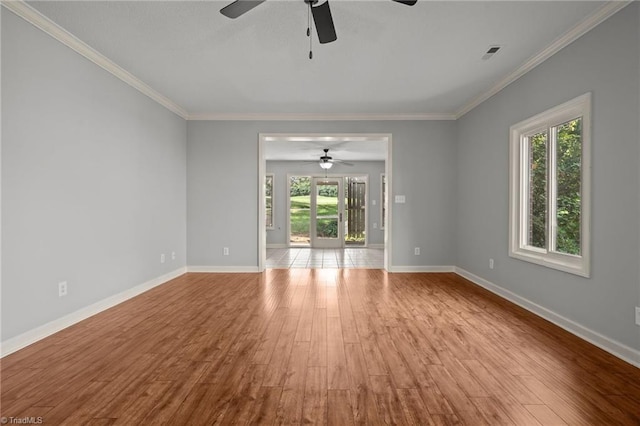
<point>325,258</point>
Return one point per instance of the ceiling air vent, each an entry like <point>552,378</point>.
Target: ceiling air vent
<point>492,51</point>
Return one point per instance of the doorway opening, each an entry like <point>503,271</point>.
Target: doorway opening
<point>332,211</point>
<point>327,212</point>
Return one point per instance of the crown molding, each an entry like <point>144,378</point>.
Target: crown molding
<point>600,15</point>
<point>35,18</point>
<point>320,117</point>
<point>31,15</point>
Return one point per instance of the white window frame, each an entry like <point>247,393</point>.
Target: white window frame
<point>273,221</point>
<point>579,107</point>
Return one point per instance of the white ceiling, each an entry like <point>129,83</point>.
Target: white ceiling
<point>389,59</point>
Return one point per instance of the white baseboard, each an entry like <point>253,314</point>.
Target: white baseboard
<point>223,269</point>
<point>620,350</point>
<point>277,246</point>
<point>615,348</point>
<point>27,338</point>
<point>403,269</point>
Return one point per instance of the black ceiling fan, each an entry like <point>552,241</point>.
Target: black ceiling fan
<point>320,11</point>
<point>326,161</point>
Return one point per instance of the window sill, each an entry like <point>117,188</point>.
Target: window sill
<point>571,264</point>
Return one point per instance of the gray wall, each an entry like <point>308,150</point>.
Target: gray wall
<point>222,182</point>
<point>98,180</point>
<point>606,62</point>
<point>280,169</point>
<point>93,181</point>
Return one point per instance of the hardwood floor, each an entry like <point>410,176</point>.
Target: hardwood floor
<point>350,346</point>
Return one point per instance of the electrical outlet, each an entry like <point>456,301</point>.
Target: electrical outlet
<point>173,255</point>
<point>416,251</point>
<point>490,263</point>
<point>373,202</point>
<point>225,251</point>
<point>162,259</point>
<point>637,315</point>
<point>62,289</point>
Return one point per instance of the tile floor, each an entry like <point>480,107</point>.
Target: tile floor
<point>310,258</point>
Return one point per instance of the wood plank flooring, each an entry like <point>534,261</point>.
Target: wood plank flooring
<point>341,347</point>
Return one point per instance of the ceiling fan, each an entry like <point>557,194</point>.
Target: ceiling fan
<point>326,162</point>
<point>321,16</point>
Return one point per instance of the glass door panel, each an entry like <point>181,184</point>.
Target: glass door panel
<point>327,211</point>
<point>299,210</point>
<point>355,211</point>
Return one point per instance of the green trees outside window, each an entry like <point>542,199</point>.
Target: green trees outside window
<point>566,206</point>
<point>568,188</point>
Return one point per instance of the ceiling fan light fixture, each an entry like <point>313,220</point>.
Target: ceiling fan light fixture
<point>325,164</point>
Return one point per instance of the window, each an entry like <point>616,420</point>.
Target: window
<point>383,199</point>
<point>550,187</point>
<point>268,202</point>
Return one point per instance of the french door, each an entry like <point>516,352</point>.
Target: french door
<point>327,211</point>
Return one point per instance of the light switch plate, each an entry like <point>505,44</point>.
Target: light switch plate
<point>400,199</point>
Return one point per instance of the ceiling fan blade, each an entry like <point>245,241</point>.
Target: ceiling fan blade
<point>239,7</point>
<point>407,2</point>
<point>346,163</point>
<point>324,23</point>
